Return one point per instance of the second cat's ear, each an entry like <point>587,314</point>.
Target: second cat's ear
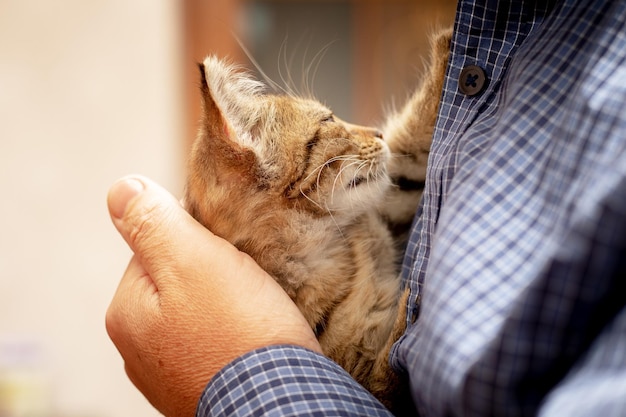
<point>232,102</point>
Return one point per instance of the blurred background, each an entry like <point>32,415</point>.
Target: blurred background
<point>94,90</point>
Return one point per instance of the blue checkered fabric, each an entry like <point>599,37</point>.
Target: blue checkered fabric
<point>519,252</point>
<point>286,381</point>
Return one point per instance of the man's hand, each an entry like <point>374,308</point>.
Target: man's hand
<point>189,302</point>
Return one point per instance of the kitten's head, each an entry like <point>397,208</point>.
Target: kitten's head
<point>260,154</point>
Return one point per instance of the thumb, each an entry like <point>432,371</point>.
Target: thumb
<point>151,220</point>
<point>138,207</point>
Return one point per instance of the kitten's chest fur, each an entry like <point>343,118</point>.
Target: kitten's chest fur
<point>350,283</point>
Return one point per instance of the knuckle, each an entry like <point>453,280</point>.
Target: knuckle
<point>112,323</point>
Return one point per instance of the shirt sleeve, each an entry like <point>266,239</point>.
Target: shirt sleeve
<point>286,381</point>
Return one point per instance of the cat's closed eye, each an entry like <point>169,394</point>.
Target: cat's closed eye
<point>328,119</point>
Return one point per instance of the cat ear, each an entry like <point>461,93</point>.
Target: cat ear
<point>233,102</point>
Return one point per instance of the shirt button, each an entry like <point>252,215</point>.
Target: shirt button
<point>472,80</point>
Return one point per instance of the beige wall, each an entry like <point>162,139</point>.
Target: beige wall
<point>89,91</point>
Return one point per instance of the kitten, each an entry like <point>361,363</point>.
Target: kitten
<point>313,200</point>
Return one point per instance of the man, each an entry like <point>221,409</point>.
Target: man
<point>518,256</point>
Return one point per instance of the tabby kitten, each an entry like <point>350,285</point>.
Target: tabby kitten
<point>311,198</point>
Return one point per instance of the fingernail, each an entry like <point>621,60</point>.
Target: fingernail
<point>121,193</point>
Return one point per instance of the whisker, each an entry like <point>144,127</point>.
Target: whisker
<point>287,81</point>
<point>359,168</point>
<point>312,201</point>
<point>308,78</point>
<point>318,172</point>
<point>339,174</point>
<point>273,84</point>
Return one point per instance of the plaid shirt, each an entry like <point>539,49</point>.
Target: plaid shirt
<point>519,251</point>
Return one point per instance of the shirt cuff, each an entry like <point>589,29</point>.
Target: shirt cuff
<point>286,381</point>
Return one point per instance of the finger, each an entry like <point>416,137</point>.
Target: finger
<point>131,319</point>
<point>135,294</point>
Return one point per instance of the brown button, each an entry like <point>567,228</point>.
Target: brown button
<point>472,80</point>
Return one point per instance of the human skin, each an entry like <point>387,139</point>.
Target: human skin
<point>189,302</point>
